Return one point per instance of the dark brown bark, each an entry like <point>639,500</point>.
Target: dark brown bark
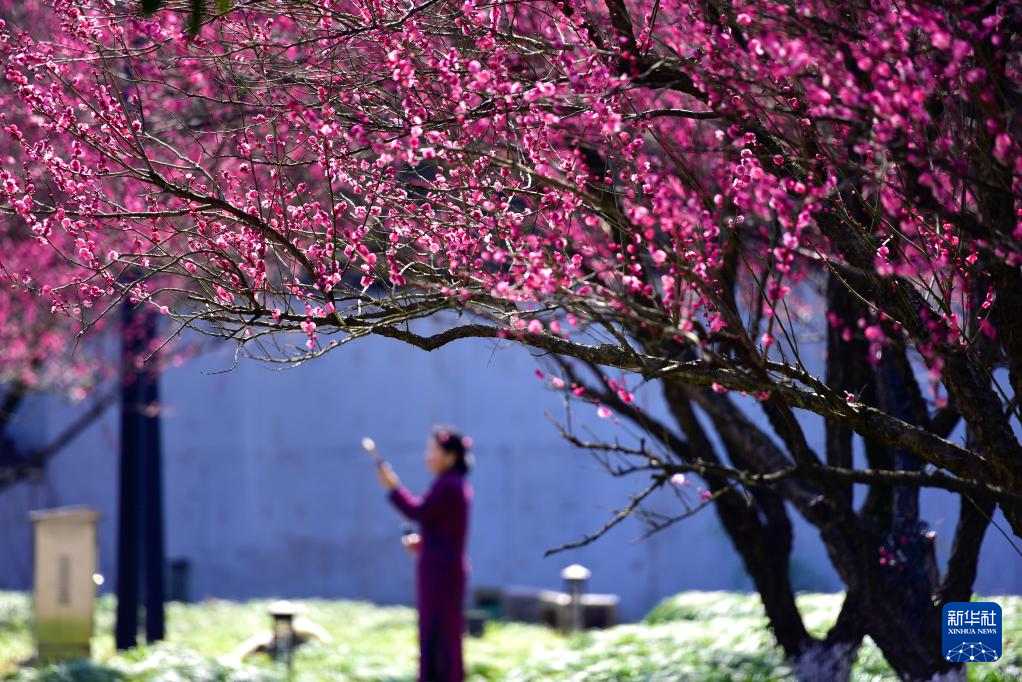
<point>759,529</point>
<point>833,657</point>
<point>973,519</point>
<point>844,377</point>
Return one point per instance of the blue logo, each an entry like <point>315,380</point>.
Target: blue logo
<point>972,631</point>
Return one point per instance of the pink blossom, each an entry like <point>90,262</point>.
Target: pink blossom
<point>1002,147</point>
<point>505,173</point>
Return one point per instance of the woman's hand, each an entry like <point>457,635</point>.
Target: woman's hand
<point>388,479</point>
<point>412,542</point>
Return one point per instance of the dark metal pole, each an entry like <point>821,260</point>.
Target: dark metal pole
<point>152,490</point>
<point>128,531</point>
<point>140,538</point>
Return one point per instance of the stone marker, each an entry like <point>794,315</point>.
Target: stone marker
<point>64,595</point>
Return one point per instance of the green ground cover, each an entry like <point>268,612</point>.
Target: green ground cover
<point>693,636</point>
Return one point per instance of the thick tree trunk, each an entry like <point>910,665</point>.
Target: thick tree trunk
<point>900,616</point>
<point>899,582</point>
<point>832,658</point>
<point>760,530</point>
<point>824,661</point>
<point>910,643</point>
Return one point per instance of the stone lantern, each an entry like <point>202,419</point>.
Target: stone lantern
<point>285,639</point>
<point>575,578</point>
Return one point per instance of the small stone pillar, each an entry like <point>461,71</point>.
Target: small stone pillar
<point>285,639</point>
<point>575,578</point>
<point>64,593</point>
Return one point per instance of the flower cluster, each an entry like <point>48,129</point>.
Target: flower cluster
<point>346,166</point>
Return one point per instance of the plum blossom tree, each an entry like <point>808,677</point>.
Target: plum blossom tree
<point>807,209</point>
<point>36,358</point>
<point>50,344</point>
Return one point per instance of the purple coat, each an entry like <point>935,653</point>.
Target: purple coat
<point>442,571</point>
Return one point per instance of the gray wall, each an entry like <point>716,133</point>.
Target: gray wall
<point>268,492</point>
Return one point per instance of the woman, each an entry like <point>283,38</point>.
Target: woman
<point>442,569</point>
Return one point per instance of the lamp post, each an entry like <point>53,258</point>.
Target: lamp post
<point>575,578</point>
<point>284,639</point>
<point>140,539</point>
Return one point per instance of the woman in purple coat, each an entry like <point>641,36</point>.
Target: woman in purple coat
<point>442,514</point>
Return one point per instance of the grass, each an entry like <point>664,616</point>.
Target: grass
<point>693,636</point>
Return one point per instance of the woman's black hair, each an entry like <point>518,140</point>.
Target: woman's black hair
<point>455,442</point>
